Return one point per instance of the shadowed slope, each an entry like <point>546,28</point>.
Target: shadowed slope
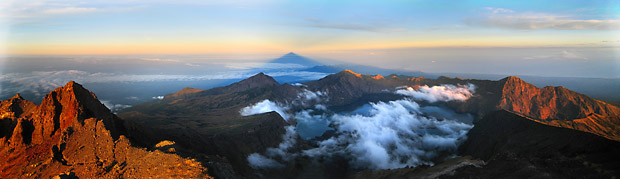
<point>516,146</point>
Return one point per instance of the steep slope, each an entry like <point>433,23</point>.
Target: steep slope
<point>184,93</point>
<point>515,146</point>
<point>345,86</point>
<point>558,106</point>
<point>257,81</point>
<point>72,132</point>
<point>209,122</point>
<point>550,103</point>
<point>10,111</point>
<point>15,107</point>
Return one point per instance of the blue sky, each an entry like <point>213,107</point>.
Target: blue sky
<point>353,31</point>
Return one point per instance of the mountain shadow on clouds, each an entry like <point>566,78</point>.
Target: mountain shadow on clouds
<point>292,58</point>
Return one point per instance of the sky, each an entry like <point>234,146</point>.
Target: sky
<point>582,38</point>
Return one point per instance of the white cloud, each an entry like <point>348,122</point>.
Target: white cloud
<point>562,55</point>
<point>306,97</point>
<point>160,60</point>
<point>70,10</point>
<point>264,107</point>
<point>393,135</point>
<point>259,161</point>
<point>114,107</point>
<point>499,10</point>
<point>289,139</point>
<point>571,55</point>
<point>439,93</point>
<point>505,18</point>
<point>383,135</point>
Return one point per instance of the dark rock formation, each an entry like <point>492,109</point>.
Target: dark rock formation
<point>515,146</point>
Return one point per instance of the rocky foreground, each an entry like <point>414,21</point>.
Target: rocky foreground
<point>72,134</point>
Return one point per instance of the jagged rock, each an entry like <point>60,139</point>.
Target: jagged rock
<point>72,131</point>
<point>67,175</point>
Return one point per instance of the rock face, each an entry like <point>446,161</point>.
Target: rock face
<point>558,106</point>
<point>550,103</point>
<point>515,146</point>
<point>71,131</point>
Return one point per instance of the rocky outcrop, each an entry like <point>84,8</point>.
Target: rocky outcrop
<point>558,106</point>
<point>72,132</point>
<point>550,103</point>
<point>15,107</point>
<point>10,112</point>
<point>513,145</point>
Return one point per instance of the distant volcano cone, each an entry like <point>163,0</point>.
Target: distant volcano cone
<point>292,58</point>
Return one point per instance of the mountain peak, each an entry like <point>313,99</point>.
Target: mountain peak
<point>258,80</point>
<point>15,107</point>
<point>69,131</point>
<point>512,79</point>
<point>17,96</point>
<point>261,76</point>
<point>291,54</point>
<point>378,77</point>
<point>76,88</point>
<point>347,71</point>
<point>70,103</point>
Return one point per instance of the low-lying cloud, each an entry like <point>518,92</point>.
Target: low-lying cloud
<point>289,139</point>
<point>439,93</point>
<point>382,135</point>
<point>114,107</point>
<point>263,107</point>
<point>393,135</point>
<point>41,82</point>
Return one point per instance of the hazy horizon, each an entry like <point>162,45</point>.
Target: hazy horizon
<point>120,48</point>
<point>540,38</point>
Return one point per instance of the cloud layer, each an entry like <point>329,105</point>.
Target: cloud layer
<point>40,82</point>
<point>281,152</point>
<point>439,93</point>
<point>263,107</point>
<point>396,134</point>
<point>383,135</point>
